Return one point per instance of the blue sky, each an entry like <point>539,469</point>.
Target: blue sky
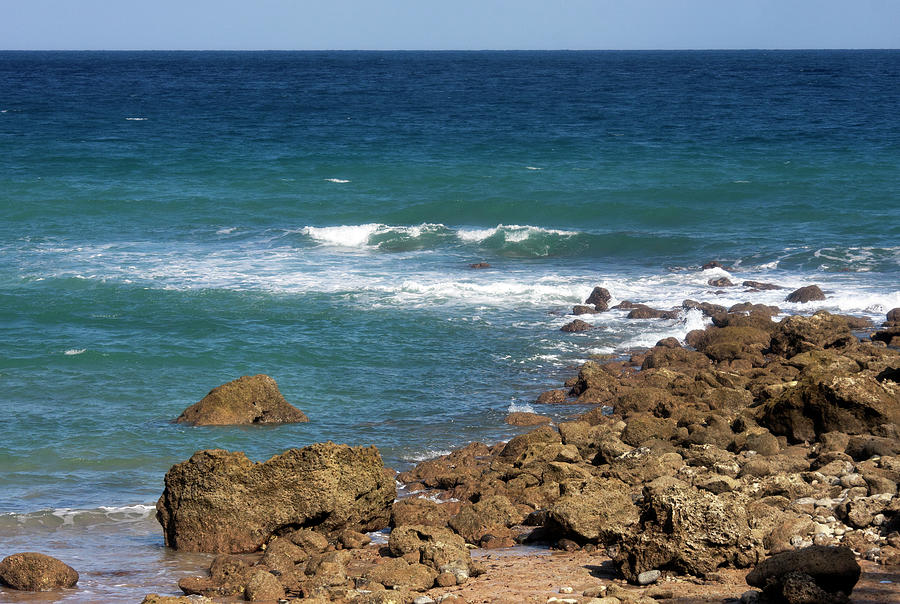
<point>457,24</point>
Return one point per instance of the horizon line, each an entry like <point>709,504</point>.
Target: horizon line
<point>472,50</point>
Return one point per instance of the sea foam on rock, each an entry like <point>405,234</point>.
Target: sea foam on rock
<point>246,400</point>
<point>219,501</point>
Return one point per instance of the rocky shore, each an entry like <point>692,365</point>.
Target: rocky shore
<point>757,451</point>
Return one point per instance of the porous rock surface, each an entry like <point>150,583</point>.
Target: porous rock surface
<point>32,571</point>
<point>220,501</point>
<point>246,400</point>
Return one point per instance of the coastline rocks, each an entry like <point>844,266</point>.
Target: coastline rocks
<point>31,571</point>
<point>599,297</point>
<point>832,402</point>
<point>797,334</point>
<point>760,286</point>
<point>642,311</point>
<point>810,293</point>
<point>552,397</point>
<point>438,548</point>
<point>576,326</point>
<point>219,501</point>
<point>246,400</point>
<point>524,418</point>
<point>720,282</point>
<point>816,574</point>
<point>600,510</point>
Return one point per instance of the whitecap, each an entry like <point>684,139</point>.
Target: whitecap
<point>226,231</point>
<point>532,168</point>
<point>337,180</point>
<point>74,351</point>
<point>425,455</point>
<point>136,119</point>
<point>519,408</point>
<point>356,235</point>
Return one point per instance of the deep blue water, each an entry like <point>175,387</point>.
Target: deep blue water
<point>170,221</point>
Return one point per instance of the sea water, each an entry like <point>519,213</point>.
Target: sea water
<point>170,221</point>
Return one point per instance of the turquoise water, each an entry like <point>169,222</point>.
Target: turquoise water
<point>171,221</point>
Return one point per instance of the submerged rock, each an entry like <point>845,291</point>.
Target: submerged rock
<point>219,501</point>
<point>576,326</point>
<point>31,571</point>
<point>246,400</point>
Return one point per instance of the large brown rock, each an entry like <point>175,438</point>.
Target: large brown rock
<point>31,571</point>
<point>832,402</point>
<point>798,334</point>
<point>219,501</point>
<point>491,514</point>
<point>439,548</point>
<point>246,400</point>
<point>599,296</point>
<point>833,570</point>
<point>809,293</point>
<point>732,342</point>
<point>687,530</point>
<point>597,510</point>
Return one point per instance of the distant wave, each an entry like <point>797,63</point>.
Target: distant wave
<point>60,517</point>
<point>337,180</point>
<point>136,119</point>
<point>75,351</point>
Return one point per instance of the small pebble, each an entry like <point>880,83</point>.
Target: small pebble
<point>648,576</point>
<point>423,600</point>
<point>566,590</point>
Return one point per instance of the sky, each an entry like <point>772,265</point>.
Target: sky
<point>456,24</point>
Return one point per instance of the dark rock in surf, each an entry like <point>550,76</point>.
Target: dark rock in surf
<point>600,295</point>
<point>705,307</point>
<point>645,312</point>
<point>480,265</point>
<point>576,326</point>
<point>760,286</point>
<point>581,309</point>
<point>720,282</point>
<point>810,293</point>
<point>246,400</point>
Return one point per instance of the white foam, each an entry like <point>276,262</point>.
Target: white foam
<point>226,231</point>
<point>514,233</point>
<point>426,455</point>
<point>337,180</point>
<point>532,168</point>
<point>344,236</point>
<point>136,119</point>
<point>515,407</point>
<point>74,351</point>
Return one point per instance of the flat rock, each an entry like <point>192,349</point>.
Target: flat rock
<point>246,400</point>
<point>31,571</point>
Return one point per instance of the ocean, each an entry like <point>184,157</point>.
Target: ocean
<point>170,221</point>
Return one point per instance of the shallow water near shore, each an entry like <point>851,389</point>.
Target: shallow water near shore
<point>172,221</point>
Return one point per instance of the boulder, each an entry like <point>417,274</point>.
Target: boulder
<point>581,309</point>
<point>797,334</point>
<point>675,358</point>
<point>832,572</point>
<point>247,400</point>
<point>396,573</point>
<point>688,531</point>
<point>893,315</point>
<point>594,384</point>
<point>810,293</point>
<point>599,510</point>
<point>730,343</point>
<point>219,501</point>
<point>418,510</point>
<point>599,296</point>
<point>832,402</point>
<point>760,286</point>
<point>477,265</point>
<point>31,571</point>
<point>888,336</point>
<point>720,282</point>
<point>706,308</point>
<point>490,515</point>
<point>263,586</point>
<point>576,326</point>
<point>645,312</point>
<point>552,397</point>
<point>713,264</point>
<point>439,548</point>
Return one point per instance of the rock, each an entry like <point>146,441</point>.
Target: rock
<point>669,343</point>
<point>720,282</point>
<point>648,576</point>
<point>490,515</point>
<point>645,312</point>
<point>887,336</point>
<point>576,326</point>
<point>542,436</point>
<point>263,586</point>
<point>600,510</point>
<point>713,264</point>
<point>809,293</point>
<point>477,265</point>
<point>705,307</point>
<point>675,358</point>
<point>552,397</point>
<point>219,501</point>
<point>438,548</point>
<point>580,309</point>
<point>893,315</point>
<point>833,570</point>
<point>833,402</point>
<point>523,418</point>
<point>247,400</point>
<point>31,571</point>
<point>158,599</point>
<point>730,343</point>
<point>798,334</point>
<point>599,295</point>
<point>687,530</point>
<point>760,286</point>
<point>417,510</point>
<point>594,384</point>
<point>748,308</point>
<point>398,573</point>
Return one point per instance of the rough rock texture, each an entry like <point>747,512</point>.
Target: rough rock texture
<point>599,296</point>
<point>598,510</point>
<point>31,571</point>
<point>833,572</point>
<point>525,418</point>
<point>830,402</point>
<point>809,293</point>
<point>247,400</point>
<point>438,548</point>
<point>158,599</point>
<point>687,530</point>
<point>720,282</point>
<point>760,286</point>
<point>219,501</point>
<point>798,334</point>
